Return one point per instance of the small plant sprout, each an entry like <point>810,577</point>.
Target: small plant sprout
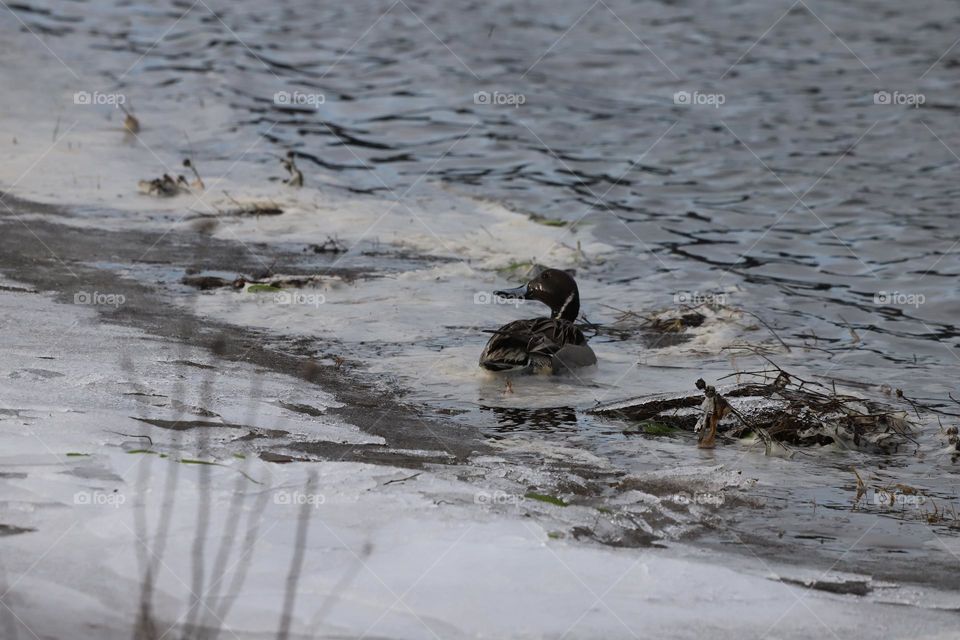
<point>198,182</point>
<point>130,123</point>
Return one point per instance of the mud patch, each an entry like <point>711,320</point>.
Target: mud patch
<point>11,530</point>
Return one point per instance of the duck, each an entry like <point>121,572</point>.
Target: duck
<point>541,345</point>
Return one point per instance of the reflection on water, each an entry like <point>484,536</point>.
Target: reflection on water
<point>556,420</point>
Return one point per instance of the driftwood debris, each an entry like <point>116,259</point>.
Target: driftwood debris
<point>205,283</point>
<point>667,325</point>
<point>242,209</point>
<point>166,186</point>
<point>779,408</point>
<point>715,408</point>
<point>330,245</point>
<point>267,281</point>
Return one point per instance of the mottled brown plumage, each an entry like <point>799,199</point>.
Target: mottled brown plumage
<point>541,344</point>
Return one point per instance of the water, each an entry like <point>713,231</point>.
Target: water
<point>693,197</point>
<point>802,198</point>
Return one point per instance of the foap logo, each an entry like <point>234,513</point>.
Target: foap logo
<point>96,98</point>
<point>899,298</point>
<point>696,98</point>
<point>698,497</point>
<point>99,498</point>
<point>499,99</point>
<point>498,497</point>
<point>298,297</point>
<point>299,498</point>
<point>485,297</point>
<point>97,298</point>
<point>298,99</point>
<point>884,498</point>
<point>696,298</point>
<point>899,98</point>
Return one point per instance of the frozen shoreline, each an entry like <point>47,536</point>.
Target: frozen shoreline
<point>389,552</point>
<point>496,548</point>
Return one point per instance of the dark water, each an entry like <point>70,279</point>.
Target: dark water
<point>830,210</point>
<point>799,188</point>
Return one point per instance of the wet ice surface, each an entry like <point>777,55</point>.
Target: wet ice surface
<point>430,191</point>
<point>93,500</point>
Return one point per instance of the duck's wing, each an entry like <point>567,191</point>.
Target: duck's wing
<point>509,347</point>
<point>524,343</point>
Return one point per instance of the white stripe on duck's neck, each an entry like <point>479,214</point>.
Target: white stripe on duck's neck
<point>566,303</point>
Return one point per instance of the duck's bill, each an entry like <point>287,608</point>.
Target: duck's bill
<point>520,293</point>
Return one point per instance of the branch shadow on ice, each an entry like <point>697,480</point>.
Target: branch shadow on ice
<point>212,595</point>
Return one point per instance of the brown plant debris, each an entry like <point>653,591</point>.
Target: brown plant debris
<point>130,123</point>
<point>205,283</point>
<point>296,176</point>
<point>628,323</point>
<point>851,586</point>
<point>165,186</point>
<point>243,209</point>
<point>330,245</point>
<point>260,283</point>
<point>778,407</point>
<point>198,181</point>
<point>715,408</point>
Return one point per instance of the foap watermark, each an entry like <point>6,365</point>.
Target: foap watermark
<point>299,498</point>
<point>96,98</point>
<point>485,297</point>
<point>895,498</point>
<point>499,98</point>
<point>498,497</point>
<point>696,298</point>
<point>697,98</point>
<point>899,98</point>
<point>298,99</point>
<point>899,298</point>
<point>298,297</point>
<point>99,498</point>
<point>97,298</point>
<point>698,497</point>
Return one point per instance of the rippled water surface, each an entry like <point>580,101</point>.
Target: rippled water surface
<point>798,187</point>
<point>719,147</point>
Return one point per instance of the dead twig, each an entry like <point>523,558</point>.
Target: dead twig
<point>769,328</point>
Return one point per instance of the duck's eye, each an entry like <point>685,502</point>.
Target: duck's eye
<point>546,276</point>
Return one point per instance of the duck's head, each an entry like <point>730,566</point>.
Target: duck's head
<point>553,287</point>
